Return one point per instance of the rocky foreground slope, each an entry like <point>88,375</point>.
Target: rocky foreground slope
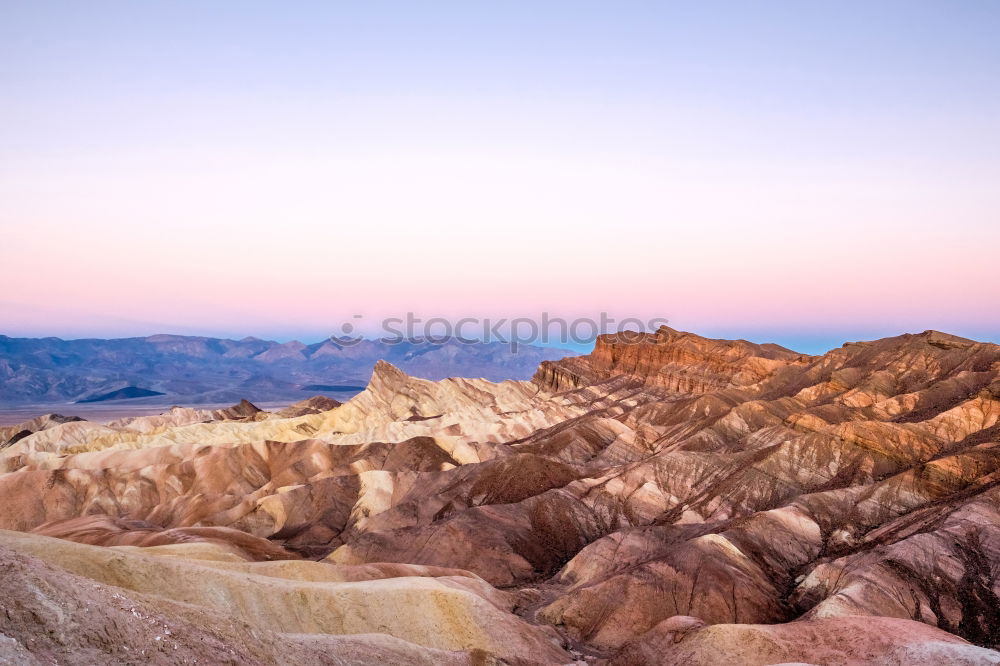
<point>668,499</point>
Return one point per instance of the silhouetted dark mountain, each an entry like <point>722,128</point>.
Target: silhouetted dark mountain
<point>121,394</point>
<point>203,370</point>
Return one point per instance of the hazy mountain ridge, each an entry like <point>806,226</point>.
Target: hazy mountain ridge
<point>193,369</point>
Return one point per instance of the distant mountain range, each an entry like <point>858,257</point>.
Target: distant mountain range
<point>193,370</point>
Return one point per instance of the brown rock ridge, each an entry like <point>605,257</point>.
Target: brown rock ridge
<point>13,434</point>
<point>313,405</point>
<point>101,530</point>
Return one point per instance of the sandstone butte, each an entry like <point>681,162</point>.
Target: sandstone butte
<point>668,499</point>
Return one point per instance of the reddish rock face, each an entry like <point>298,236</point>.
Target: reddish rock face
<point>679,362</point>
<point>700,500</point>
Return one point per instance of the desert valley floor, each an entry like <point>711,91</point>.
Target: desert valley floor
<point>668,499</point>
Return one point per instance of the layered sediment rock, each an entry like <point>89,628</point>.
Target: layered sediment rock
<point>767,496</point>
<point>140,605</point>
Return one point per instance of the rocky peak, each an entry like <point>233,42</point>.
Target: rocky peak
<point>244,410</point>
<point>678,361</point>
<point>386,377</point>
<point>314,405</point>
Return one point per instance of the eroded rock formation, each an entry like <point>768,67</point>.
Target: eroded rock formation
<point>666,499</point>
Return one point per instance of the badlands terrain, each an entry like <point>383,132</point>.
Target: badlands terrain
<point>667,499</point>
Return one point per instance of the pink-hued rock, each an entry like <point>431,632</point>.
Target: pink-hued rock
<point>846,641</point>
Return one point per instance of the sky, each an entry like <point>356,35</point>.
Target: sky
<point>798,172</point>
